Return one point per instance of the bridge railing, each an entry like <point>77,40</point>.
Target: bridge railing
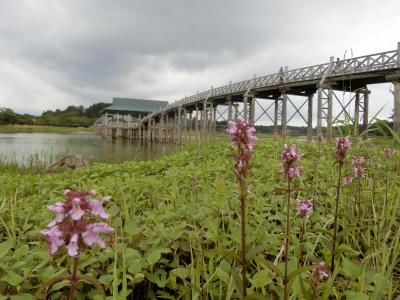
<point>367,63</point>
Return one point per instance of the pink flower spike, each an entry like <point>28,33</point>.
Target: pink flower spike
<point>92,192</point>
<point>305,207</point>
<point>73,245</point>
<point>389,153</point>
<point>320,270</point>
<point>342,145</point>
<point>66,192</point>
<point>348,180</point>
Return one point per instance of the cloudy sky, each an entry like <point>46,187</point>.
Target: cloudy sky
<point>73,52</point>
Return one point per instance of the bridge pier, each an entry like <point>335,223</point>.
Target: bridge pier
<point>284,115</point>
<point>396,102</point>
<point>309,117</point>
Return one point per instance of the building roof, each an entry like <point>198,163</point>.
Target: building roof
<point>134,105</point>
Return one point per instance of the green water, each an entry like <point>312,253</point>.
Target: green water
<point>41,149</point>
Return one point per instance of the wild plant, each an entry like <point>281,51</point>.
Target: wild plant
<point>75,227</point>
<point>290,169</point>
<point>242,139</point>
<point>342,146</point>
<point>359,173</point>
<point>304,210</point>
<point>319,273</point>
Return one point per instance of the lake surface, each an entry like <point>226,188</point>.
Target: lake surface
<point>40,149</point>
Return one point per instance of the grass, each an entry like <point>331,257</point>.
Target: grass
<point>47,129</point>
<point>178,231</point>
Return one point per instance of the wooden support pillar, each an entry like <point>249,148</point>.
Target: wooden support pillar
<point>184,124</point>
<point>214,125</point>
<point>319,114</point>
<point>190,125</point>
<point>310,117</point>
<point>196,124</point>
<point>161,128</point>
<point>168,129</point>
<point>180,124</point>
<point>366,112</point>
<point>252,111</point>
<point>284,115</point>
<point>357,114</point>
<point>276,114</point>
<point>396,109</point>
<point>210,120</point>
<point>229,109</point>
<point>329,117</point>
<point>236,112</point>
<point>245,108</point>
<point>204,129</point>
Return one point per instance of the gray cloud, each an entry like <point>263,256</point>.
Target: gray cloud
<point>56,53</point>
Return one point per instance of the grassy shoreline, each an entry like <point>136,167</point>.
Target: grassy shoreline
<point>38,128</point>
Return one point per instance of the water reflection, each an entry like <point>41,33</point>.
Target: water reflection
<point>45,148</point>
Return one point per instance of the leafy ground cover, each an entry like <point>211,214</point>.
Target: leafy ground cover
<point>177,227</point>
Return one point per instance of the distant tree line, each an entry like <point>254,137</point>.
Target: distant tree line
<point>72,116</point>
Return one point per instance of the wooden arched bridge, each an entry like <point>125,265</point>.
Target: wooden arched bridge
<point>196,116</point>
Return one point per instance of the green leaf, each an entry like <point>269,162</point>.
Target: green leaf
<point>256,250</point>
<point>352,270</point>
<point>271,266</point>
<point>346,250</point>
<point>303,269</point>
<point>5,247</point>
<point>237,282</point>
<point>153,257</point>
<point>262,278</point>
<point>22,297</point>
<point>350,295</point>
<point>12,278</point>
<point>59,285</point>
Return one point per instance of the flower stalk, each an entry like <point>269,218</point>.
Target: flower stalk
<point>342,146</point>
<point>290,169</point>
<point>242,139</point>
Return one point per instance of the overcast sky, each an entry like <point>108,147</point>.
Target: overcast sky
<point>78,52</point>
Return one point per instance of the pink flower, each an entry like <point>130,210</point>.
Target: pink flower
<point>305,207</point>
<point>59,209</point>
<point>358,160</point>
<point>242,138</point>
<point>92,234</point>
<point>76,211</point>
<point>55,237</point>
<point>72,225</point>
<point>73,245</point>
<point>348,180</point>
<point>241,134</point>
<point>342,145</point>
<point>289,158</point>
<point>96,207</point>
<point>320,270</point>
<point>389,152</point>
<point>359,170</point>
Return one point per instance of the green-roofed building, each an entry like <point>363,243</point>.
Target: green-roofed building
<point>134,106</point>
<point>124,115</point>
